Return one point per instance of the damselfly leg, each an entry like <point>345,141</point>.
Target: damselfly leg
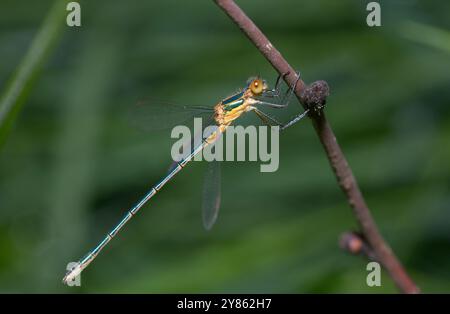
<point>271,121</point>
<point>275,93</point>
<point>267,119</point>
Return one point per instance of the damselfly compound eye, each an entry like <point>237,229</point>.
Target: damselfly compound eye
<point>257,86</point>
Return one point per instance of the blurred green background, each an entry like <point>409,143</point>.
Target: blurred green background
<point>72,164</point>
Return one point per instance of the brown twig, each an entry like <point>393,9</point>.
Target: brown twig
<point>337,160</point>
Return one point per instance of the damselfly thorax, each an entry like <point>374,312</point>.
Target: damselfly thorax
<point>234,106</point>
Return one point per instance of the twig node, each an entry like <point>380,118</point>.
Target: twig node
<point>315,96</point>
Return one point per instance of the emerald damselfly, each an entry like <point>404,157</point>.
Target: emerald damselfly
<point>248,99</point>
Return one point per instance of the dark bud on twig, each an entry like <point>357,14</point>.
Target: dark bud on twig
<point>314,96</point>
<point>354,243</point>
<point>351,242</point>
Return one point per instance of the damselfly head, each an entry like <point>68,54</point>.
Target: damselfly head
<point>257,86</point>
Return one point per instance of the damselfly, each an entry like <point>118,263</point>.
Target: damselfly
<point>250,98</point>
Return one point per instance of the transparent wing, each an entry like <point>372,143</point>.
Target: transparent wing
<point>211,194</point>
<point>154,115</point>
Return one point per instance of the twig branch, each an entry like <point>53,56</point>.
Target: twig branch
<point>337,160</point>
